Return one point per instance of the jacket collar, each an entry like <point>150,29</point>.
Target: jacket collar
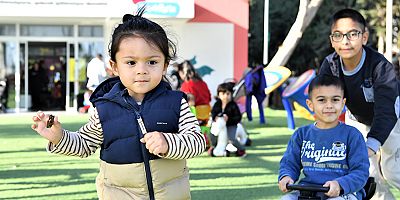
<point>113,90</point>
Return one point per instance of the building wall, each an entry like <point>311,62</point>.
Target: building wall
<point>211,45</point>
<point>215,38</point>
<point>235,12</point>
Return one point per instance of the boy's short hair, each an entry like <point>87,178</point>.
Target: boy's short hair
<point>352,14</point>
<point>224,87</point>
<point>325,80</point>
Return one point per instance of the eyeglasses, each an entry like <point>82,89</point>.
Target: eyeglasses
<point>352,35</point>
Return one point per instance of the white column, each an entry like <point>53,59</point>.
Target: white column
<point>266,30</point>
<point>389,29</point>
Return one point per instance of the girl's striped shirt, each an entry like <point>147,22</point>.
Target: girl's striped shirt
<point>187,143</point>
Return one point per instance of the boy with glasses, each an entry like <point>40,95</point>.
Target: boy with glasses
<point>372,93</point>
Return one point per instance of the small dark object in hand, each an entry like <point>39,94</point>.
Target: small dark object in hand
<point>50,121</point>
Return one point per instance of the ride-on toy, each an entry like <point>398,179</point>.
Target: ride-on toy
<point>309,192</point>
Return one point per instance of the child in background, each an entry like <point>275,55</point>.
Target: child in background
<point>328,152</point>
<point>87,105</point>
<point>228,109</point>
<point>141,158</point>
<point>193,84</point>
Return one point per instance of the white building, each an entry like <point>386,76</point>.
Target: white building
<point>65,34</point>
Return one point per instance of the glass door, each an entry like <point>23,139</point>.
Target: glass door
<point>46,75</point>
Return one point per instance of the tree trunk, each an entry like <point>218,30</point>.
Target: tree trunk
<point>307,11</point>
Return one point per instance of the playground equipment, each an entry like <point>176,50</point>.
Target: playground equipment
<point>275,77</point>
<point>298,92</point>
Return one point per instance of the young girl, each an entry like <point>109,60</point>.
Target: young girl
<point>145,130</point>
<point>193,84</point>
<point>228,109</point>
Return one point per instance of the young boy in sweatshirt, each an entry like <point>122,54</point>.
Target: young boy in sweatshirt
<point>328,152</point>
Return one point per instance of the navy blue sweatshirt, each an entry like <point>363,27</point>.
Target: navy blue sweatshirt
<point>337,153</point>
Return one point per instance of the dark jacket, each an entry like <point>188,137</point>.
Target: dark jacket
<point>376,73</point>
<point>231,110</point>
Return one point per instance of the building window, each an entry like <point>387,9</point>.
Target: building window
<point>7,29</point>
<point>47,30</point>
<point>90,31</point>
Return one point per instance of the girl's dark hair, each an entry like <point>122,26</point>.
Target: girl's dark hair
<point>189,71</point>
<point>352,14</point>
<point>324,80</point>
<point>138,26</point>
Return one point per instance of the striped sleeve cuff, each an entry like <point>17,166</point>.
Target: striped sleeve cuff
<point>52,148</point>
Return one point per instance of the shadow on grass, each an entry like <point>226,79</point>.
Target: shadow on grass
<point>204,174</point>
<point>48,184</point>
<point>30,150</point>
<point>244,192</point>
<point>53,196</point>
<point>271,140</point>
<point>31,173</point>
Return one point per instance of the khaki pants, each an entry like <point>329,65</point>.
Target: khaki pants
<point>385,165</point>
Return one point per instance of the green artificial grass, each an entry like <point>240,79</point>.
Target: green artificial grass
<point>27,171</point>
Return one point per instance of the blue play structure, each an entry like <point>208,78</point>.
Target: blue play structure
<point>297,91</point>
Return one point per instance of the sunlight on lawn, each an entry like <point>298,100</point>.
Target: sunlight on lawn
<point>27,171</point>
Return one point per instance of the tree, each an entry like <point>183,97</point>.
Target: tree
<point>314,44</point>
<point>306,13</point>
<point>375,15</point>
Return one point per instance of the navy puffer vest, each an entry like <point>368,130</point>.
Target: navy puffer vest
<point>160,111</point>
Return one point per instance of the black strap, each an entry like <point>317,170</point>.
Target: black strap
<point>146,160</point>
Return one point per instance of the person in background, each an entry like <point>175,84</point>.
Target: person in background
<point>228,109</point>
<point>4,85</point>
<point>144,129</point>
<point>95,72</point>
<point>327,152</point>
<point>372,93</point>
<point>194,84</point>
<point>38,89</point>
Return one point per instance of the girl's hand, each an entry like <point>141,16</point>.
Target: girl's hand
<point>53,134</point>
<point>334,188</point>
<point>283,182</point>
<point>155,142</point>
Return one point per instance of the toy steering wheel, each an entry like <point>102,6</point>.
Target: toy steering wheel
<point>308,191</point>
